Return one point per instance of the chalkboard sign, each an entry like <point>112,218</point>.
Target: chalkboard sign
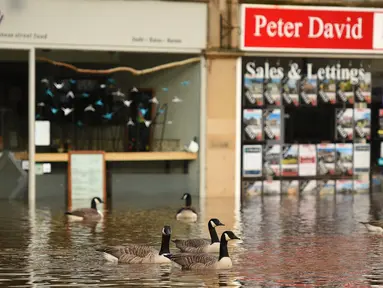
<point>86,177</point>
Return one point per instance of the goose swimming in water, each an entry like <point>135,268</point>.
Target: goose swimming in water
<point>199,245</point>
<point>198,261</point>
<point>86,213</point>
<point>139,254</point>
<point>187,213</point>
<point>374,225</point>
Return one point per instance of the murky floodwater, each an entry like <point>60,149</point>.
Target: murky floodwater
<point>286,242</point>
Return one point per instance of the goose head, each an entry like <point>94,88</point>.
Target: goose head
<point>214,222</point>
<point>229,235</point>
<point>166,231</point>
<point>95,201</point>
<point>187,198</point>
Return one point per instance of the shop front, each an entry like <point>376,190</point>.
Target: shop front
<point>98,78</point>
<point>308,100</point>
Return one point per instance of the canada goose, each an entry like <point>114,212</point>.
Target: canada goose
<point>190,261</point>
<point>86,213</point>
<point>374,225</point>
<point>202,245</point>
<point>135,254</point>
<point>187,212</point>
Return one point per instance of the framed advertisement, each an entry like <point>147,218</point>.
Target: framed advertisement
<point>307,160</point>
<point>290,160</point>
<point>344,159</point>
<point>252,161</point>
<point>326,159</point>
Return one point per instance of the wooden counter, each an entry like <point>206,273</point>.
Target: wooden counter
<point>115,157</point>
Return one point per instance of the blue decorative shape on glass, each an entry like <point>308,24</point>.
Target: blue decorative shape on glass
<point>49,92</point>
<point>380,161</point>
<point>99,103</point>
<point>143,111</point>
<point>85,95</point>
<point>111,81</point>
<point>165,89</point>
<point>185,83</point>
<point>38,116</point>
<point>54,110</point>
<point>161,111</point>
<point>79,123</point>
<point>71,81</point>
<point>108,116</point>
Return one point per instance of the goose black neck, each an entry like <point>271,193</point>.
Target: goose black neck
<point>188,201</point>
<point>223,252</point>
<point>165,244</point>
<point>93,204</point>
<point>213,233</point>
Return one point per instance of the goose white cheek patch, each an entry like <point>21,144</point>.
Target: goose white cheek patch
<point>212,224</point>
<point>227,237</point>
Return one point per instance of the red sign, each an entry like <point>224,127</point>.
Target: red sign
<point>293,28</point>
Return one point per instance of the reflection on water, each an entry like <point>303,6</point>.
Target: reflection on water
<point>286,242</point>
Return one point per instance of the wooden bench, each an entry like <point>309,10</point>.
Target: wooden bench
<point>167,157</point>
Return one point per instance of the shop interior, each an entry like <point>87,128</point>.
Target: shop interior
<point>94,102</point>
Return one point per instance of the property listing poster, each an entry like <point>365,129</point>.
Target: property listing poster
<point>252,188</point>
<point>326,187</point>
<point>272,91</point>
<point>290,160</point>
<point>290,187</point>
<point>380,130</point>
<point>309,90</point>
<point>362,123</point>
<point>363,89</point>
<point>308,187</point>
<point>272,124</point>
<point>253,90</point>
<point>327,91</point>
<point>361,158</point>
<point>344,186</point>
<point>326,159</point>
<point>252,124</point>
<point>345,92</point>
<point>291,91</point>
<point>307,160</point>
<point>272,160</point>
<point>344,124</point>
<point>252,161</point>
<point>272,187</point>
<point>344,162</point>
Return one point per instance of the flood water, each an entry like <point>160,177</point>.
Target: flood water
<point>285,242</point>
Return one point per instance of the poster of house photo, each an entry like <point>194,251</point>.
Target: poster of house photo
<point>344,124</point>
<point>362,123</point>
<point>327,91</point>
<point>309,91</point>
<point>273,91</point>
<point>345,92</point>
<point>363,89</point>
<point>326,159</point>
<point>290,160</point>
<point>291,91</point>
<point>344,159</point>
<point>272,124</point>
<point>272,160</point>
<point>252,124</point>
<point>253,94</point>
